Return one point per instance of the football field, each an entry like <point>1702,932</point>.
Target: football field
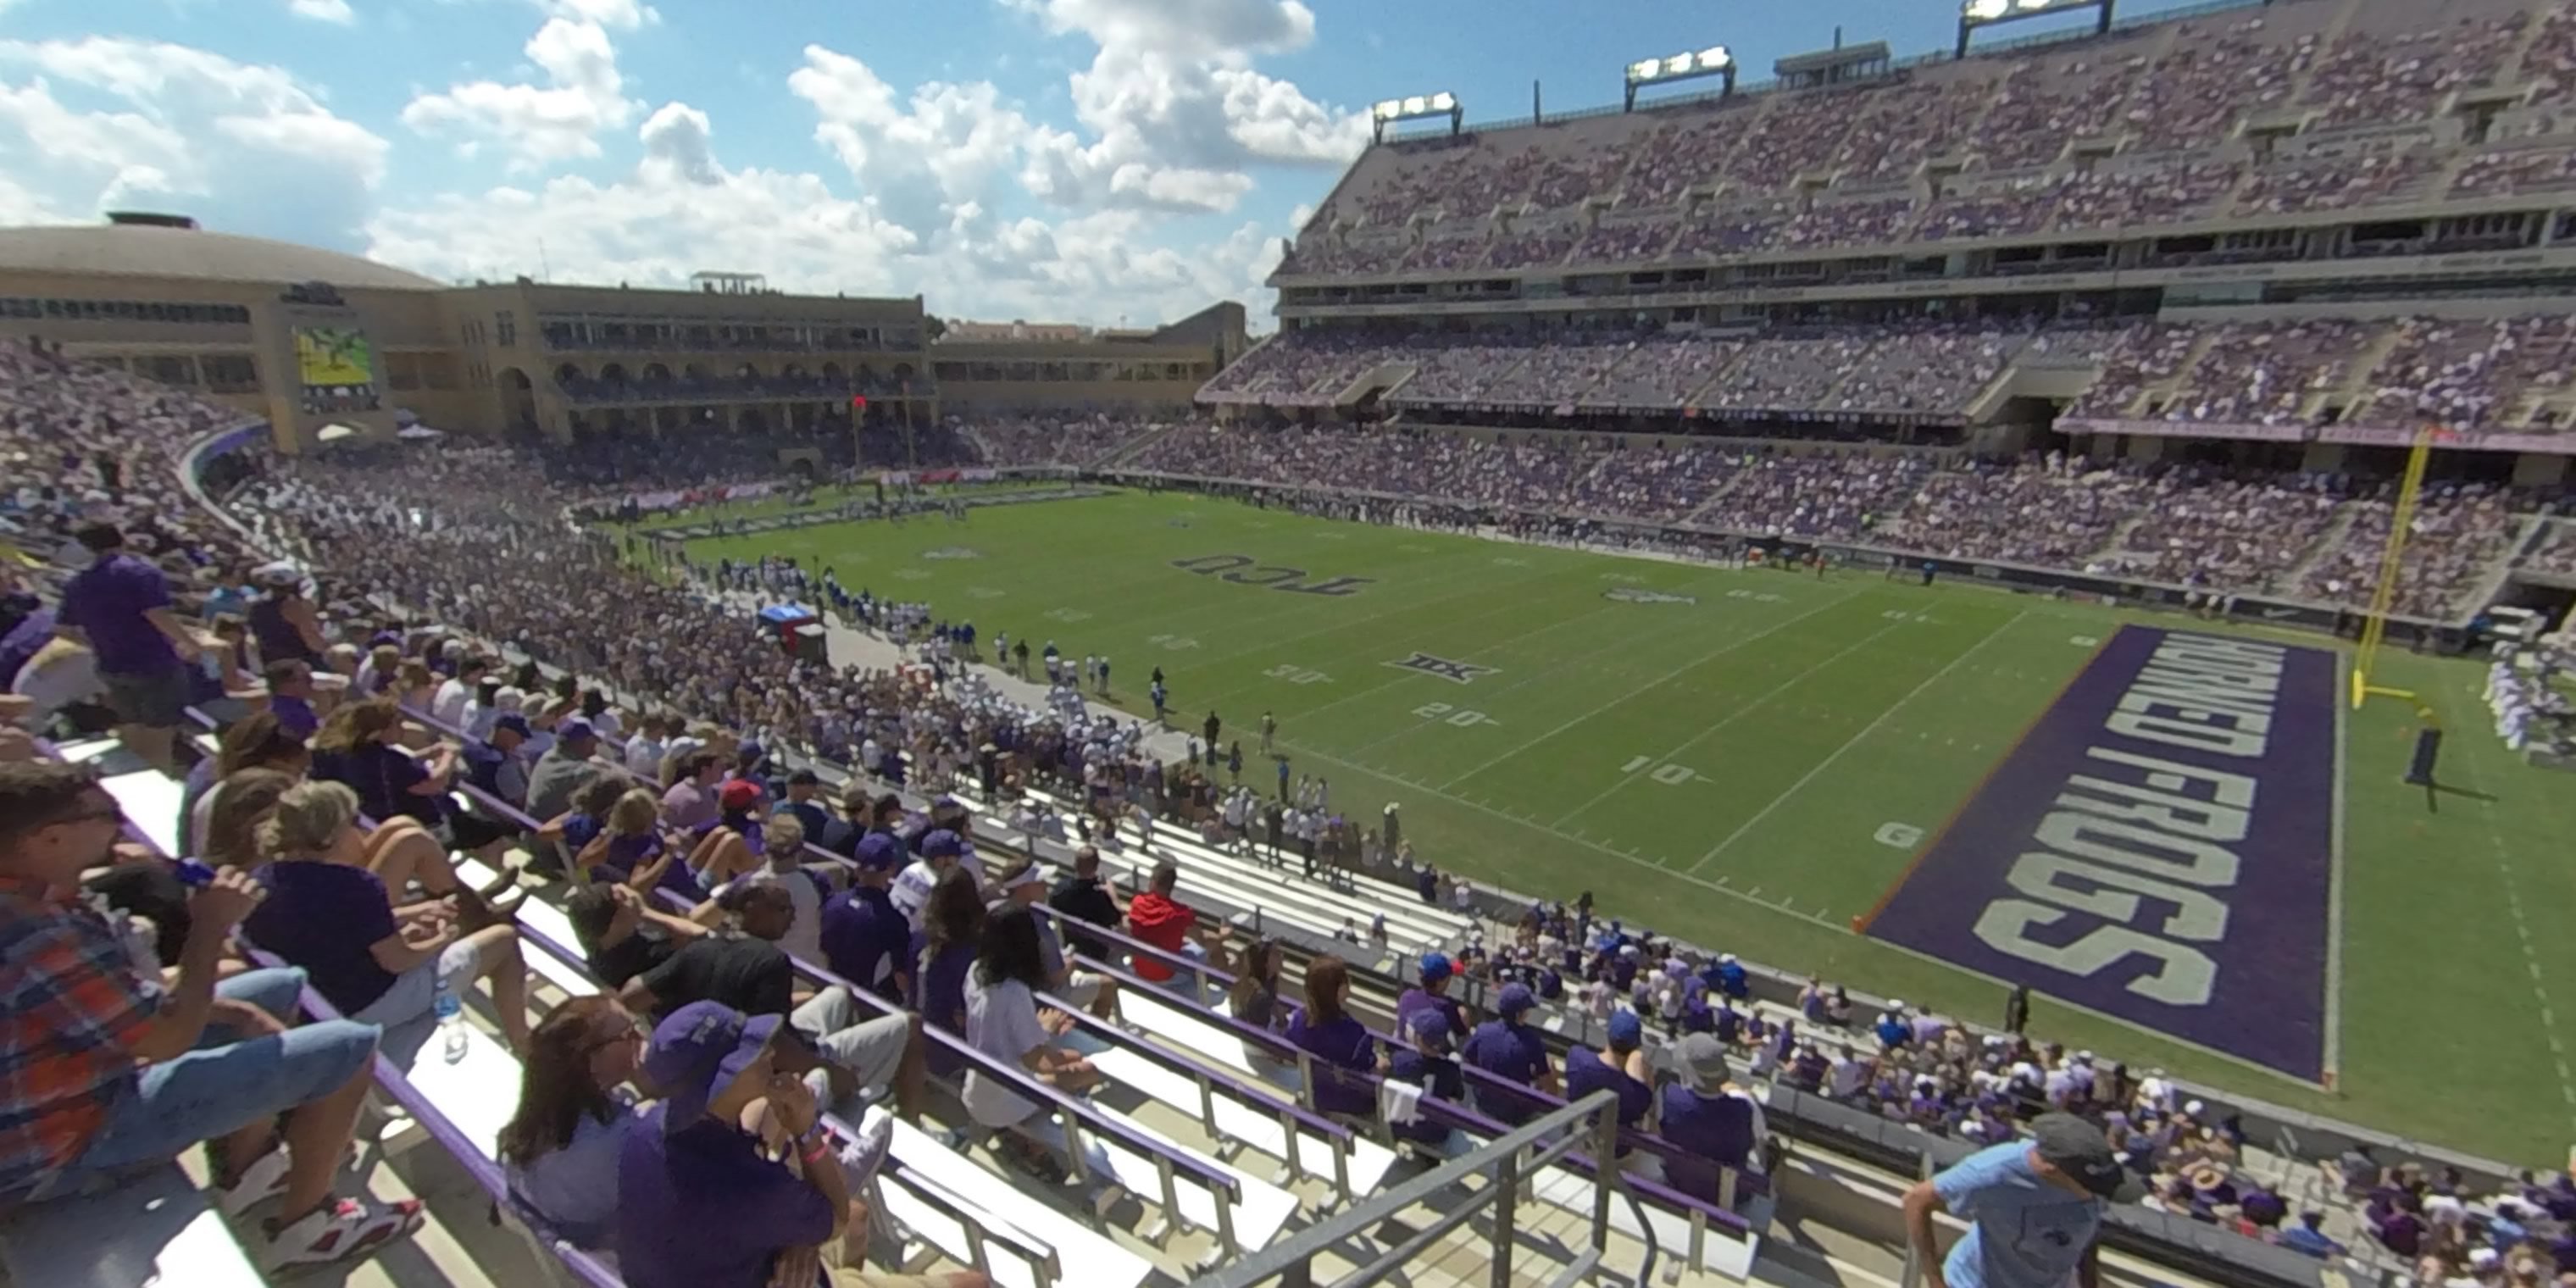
<point>1840,776</point>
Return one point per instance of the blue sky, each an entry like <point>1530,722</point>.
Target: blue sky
<point>1060,160</point>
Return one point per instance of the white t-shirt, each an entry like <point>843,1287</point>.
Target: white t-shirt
<point>911,890</point>
<point>644,758</point>
<point>448,706</point>
<point>1001,1022</point>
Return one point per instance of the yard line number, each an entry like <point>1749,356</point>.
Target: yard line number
<point>1667,773</point>
<point>1295,674</point>
<point>1447,714</point>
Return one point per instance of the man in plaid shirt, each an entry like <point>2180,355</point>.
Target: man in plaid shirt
<point>108,1065</point>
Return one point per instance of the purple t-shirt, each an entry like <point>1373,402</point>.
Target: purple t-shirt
<point>864,933</point>
<point>327,918</point>
<point>939,993</point>
<point>700,1208</point>
<point>1513,1053</point>
<point>294,715</point>
<point>383,778</point>
<point>107,601</point>
<point>689,807</point>
<point>1715,1131</point>
<point>1343,1044</point>
<point>1587,1072</point>
<point>1422,999</point>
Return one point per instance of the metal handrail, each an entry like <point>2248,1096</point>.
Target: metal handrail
<point>1507,1159</point>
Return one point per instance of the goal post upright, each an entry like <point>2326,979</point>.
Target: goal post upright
<point>2383,596</point>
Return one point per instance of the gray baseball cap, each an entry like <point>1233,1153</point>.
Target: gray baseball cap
<point>2079,1149</point>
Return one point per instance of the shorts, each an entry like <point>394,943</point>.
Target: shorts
<point>868,1050</point>
<point>1081,988</point>
<point>152,700</point>
<point>216,1090</point>
<point>415,991</point>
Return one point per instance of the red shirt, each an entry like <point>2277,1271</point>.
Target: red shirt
<point>72,1008</point>
<point>1155,919</point>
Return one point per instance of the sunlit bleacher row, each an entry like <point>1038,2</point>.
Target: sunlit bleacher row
<point>2130,131</point>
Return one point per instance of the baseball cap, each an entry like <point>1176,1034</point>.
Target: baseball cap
<point>514,722</point>
<point>278,573</point>
<point>941,844</point>
<point>1703,1057</point>
<point>698,1051</point>
<point>751,751</point>
<point>1626,1030</point>
<point>738,795</point>
<point>1431,1027</point>
<point>1031,873</point>
<point>574,730</point>
<point>1516,1000</point>
<point>2079,1149</point>
<point>1435,968</point>
<point>880,852</point>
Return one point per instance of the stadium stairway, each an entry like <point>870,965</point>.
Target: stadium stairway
<point>2327,542</point>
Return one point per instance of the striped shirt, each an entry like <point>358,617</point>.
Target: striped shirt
<point>72,1009</point>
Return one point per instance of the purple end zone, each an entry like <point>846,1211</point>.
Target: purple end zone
<point>2157,848</point>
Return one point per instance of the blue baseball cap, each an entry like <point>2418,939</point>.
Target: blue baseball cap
<point>513,722</point>
<point>698,1051</point>
<point>1431,1028</point>
<point>574,730</point>
<point>1435,968</point>
<point>1626,1030</point>
<point>879,852</point>
<point>1517,999</point>
<point>942,844</point>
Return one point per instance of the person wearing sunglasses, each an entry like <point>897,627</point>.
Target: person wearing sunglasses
<point>104,1068</point>
<point>575,1108</point>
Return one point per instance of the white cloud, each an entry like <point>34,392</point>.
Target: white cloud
<point>681,210</point>
<point>323,10</point>
<point>560,122</point>
<point>183,129</point>
<point>1174,106</point>
<point>918,158</point>
<point>617,15</point>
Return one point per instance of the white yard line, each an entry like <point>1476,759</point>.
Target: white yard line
<point>1656,683</point>
<point>2530,948</point>
<point>1570,838</point>
<point>1866,730</point>
<point>1733,716</point>
<point>1402,676</point>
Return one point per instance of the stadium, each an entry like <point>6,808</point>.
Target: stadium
<point>1737,662</point>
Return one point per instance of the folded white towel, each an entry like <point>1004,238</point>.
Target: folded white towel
<point>1402,1101</point>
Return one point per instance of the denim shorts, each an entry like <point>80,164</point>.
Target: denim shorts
<point>221,1087</point>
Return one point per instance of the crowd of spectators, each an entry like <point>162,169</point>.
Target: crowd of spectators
<point>2458,534</point>
<point>466,536</point>
<point>1064,440</point>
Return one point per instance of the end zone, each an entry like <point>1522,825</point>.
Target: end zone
<point>2158,848</point>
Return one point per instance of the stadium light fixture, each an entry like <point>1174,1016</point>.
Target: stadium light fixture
<point>1974,14</point>
<point>1414,107</point>
<point>1716,60</point>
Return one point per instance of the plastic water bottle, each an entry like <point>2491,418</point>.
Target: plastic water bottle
<point>451,1023</point>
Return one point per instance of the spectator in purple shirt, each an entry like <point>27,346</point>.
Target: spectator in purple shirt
<point>1622,1070</point>
<point>1513,1051</point>
<point>865,937</point>
<point>691,802</point>
<point>1325,1029</point>
<point>1432,994</point>
<point>376,962</point>
<point>941,954</point>
<point>120,607</point>
<point>707,1194</point>
<point>1712,1122</point>
<point>290,697</point>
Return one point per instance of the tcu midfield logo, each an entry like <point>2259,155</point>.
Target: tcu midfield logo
<point>1244,570</point>
<point>1454,672</point>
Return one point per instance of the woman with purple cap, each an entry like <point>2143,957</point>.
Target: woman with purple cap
<point>730,1181</point>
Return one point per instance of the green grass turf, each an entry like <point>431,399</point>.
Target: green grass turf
<point>1803,714</point>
